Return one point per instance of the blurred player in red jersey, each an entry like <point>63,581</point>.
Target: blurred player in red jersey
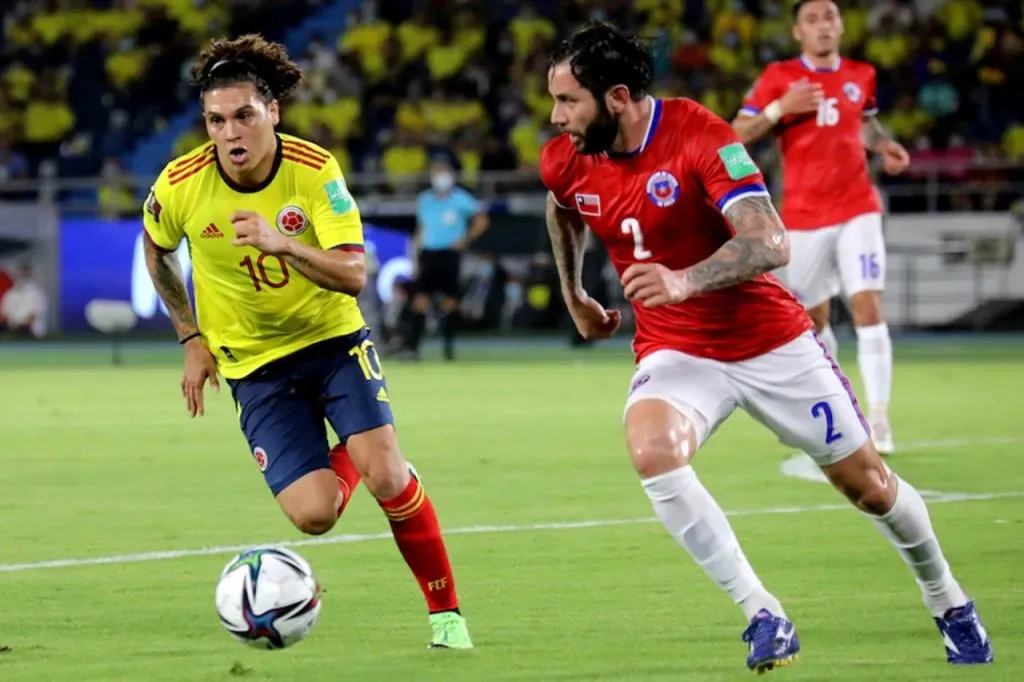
<point>683,211</point>
<point>816,104</point>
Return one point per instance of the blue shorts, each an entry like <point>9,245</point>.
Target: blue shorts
<point>282,406</point>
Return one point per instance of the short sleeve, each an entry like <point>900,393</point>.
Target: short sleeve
<point>336,219</point>
<point>555,172</point>
<point>468,204</point>
<point>165,230</point>
<point>870,92</point>
<point>722,164</point>
<point>765,90</point>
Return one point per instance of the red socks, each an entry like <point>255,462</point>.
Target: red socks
<point>418,535</point>
<point>345,470</point>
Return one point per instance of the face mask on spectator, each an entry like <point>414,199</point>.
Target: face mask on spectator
<point>442,182</point>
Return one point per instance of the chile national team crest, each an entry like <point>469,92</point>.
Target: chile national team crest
<point>663,188</point>
<point>852,91</point>
<point>292,221</point>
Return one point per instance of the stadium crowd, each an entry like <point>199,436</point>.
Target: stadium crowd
<point>84,80</point>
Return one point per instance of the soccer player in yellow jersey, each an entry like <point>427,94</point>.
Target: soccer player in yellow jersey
<point>277,258</point>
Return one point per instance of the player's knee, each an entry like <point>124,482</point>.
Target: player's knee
<point>866,309</point>
<point>377,457</point>
<point>313,518</point>
<point>865,480</point>
<point>658,446</point>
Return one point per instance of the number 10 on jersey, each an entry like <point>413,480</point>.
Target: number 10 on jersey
<point>631,226</point>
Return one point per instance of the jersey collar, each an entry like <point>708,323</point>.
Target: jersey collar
<point>820,69</point>
<point>652,125</point>
<point>243,189</point>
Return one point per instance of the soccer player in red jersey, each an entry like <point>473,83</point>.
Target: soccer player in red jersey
<point>683,211</point>
<point>817,105</point>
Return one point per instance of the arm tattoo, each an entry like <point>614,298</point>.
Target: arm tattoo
<point>752,128</point>
<point>874,134</point>
<point>760,245</point>
<point>169,283</point>
<point>566,230</point>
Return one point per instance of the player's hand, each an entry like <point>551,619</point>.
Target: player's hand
<point>802,97</point>
<point>653,284</point>
<point>200,366</point>
<point>895,158</point>
<point>252,229</point>
<point>592,320</point>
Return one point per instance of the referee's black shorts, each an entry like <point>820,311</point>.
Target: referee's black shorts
<point>439,273</point>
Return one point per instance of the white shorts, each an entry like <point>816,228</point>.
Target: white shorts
<point>849,257</point>
<point>796,390</point>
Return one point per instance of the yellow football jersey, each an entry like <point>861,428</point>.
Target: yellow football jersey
<point>251,307</point>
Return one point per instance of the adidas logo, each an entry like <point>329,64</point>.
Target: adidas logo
<point>382,395</point>
<point>211,232</point>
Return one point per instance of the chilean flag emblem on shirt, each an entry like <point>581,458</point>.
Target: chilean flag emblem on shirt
<point>588,204</point>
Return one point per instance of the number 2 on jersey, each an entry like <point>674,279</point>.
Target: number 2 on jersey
<point>261,269</point>
<point>631,226</point>
<point>823,409</point>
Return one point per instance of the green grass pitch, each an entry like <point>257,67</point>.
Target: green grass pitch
<point>98,461</point>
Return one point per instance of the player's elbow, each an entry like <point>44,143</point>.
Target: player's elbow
<point>354,279</point>
<point>742,130</point>
<point>780,248</point>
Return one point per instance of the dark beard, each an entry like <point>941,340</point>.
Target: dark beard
<point>601,133</point>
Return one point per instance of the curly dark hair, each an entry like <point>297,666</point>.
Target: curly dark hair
<point>601,57</point>
<point>247,59</point>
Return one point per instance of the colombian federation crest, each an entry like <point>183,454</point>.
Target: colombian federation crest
<point>292,221</point>
<point>260,455</point>
<point>852,91</point>
<point>663,188</point>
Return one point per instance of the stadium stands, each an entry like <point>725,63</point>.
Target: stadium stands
<point>392,83</point>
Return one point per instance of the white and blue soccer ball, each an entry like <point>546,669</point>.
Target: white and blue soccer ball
<point>268,598</point>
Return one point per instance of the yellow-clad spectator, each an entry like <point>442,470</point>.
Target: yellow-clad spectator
<point>403,160</point>
<point>673,8</point>
<point>340,115</point>
<point>527,28</point>
<point>527,138</point>
<point>120,21</point>
<point>48,118</point>
<point>774,27</point>
<point>18,80</point>
<point>190,139</point>
<point>126,63</point>
<point>735,19</point>
<point>446,59</point>
<point>906,121</point>
<point>468,32</point>
<point>855,26</point>
<point>962,18</point>
<point>115,195</point>
<point>889,48</point>
<point>1013,143</point>
<point>10,119</point>
<point>410,117</point>
<point>416,35</point>
<point>302,114</point>
<point>366,36</point>
<point>51,27</point>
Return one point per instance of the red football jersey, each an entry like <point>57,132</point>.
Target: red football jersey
<point>663,204</point>
<point>825,172</point>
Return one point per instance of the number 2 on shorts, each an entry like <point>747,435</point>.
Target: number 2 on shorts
<point>823,409</point>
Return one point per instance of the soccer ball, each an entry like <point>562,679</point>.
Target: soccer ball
<point>268,598</point>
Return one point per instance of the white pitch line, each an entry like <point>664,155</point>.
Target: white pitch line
<point>465,530</point>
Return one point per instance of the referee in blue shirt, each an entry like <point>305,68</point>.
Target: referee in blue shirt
<point>448,219</point>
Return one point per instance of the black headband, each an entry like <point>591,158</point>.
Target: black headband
<point>230,67</point>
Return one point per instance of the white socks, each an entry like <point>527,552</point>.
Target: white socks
<point>698,524</point>
<point>874,356</point>
<point>828,339</point>
<point>909,529</point>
